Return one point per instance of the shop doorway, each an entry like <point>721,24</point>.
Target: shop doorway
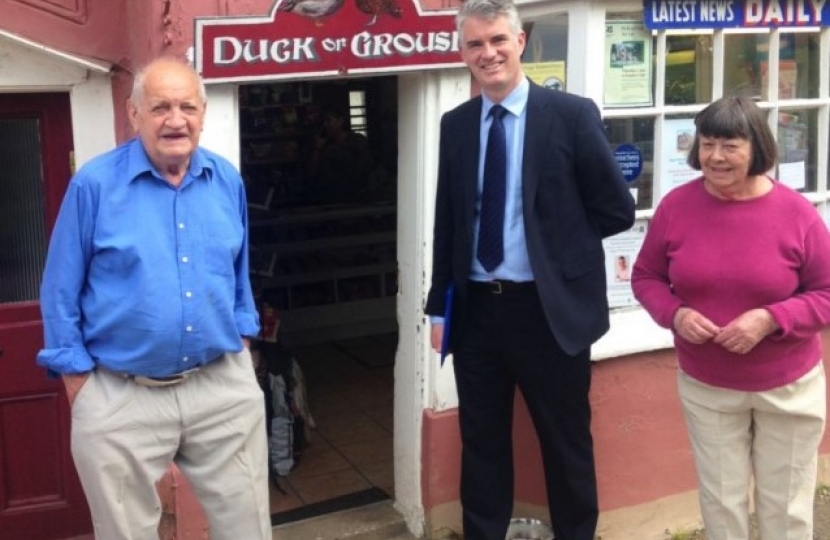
<point>320,164</point>
<point>40,494</point>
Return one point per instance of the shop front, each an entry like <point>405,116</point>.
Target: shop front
<point>344,256</point>
<point>651,69</point>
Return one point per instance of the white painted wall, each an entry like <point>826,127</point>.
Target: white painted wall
<point>221,130</point>
<point>419,381</point>
<point>93,117</point>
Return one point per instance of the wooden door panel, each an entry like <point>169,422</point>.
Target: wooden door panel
<point>40,494</point>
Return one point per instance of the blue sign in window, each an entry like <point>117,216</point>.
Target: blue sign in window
<point>630,159</point>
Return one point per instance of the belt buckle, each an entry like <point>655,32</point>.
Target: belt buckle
<point>496,287</point>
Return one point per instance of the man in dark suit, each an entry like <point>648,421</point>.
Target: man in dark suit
<point>528,311</point>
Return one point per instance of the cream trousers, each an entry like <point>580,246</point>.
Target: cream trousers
<point>124,436</point>
<point>771,436</point>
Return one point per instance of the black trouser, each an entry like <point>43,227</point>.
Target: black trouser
<point>506,342</point>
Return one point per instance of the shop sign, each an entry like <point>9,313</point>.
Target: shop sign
<point>302,39</point>
<point>660,14</point>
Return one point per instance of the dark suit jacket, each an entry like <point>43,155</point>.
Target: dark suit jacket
<point>573,194</point>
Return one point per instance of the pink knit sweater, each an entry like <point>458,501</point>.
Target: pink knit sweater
<point>724,258</point>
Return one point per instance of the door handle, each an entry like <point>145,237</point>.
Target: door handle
<point>1,351</point>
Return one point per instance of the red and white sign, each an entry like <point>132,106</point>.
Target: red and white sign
<point>302,39</point>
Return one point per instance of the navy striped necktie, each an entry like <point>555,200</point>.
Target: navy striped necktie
<point>491,219</point>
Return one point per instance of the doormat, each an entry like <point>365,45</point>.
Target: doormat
<point>344,502</point>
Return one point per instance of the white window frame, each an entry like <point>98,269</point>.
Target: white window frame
<point>632,330</point>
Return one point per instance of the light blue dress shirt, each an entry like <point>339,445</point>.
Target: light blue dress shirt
<point>516,263</point>
<point>143,277</point>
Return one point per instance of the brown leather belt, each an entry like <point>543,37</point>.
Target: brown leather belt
<point>500,286</point>
<point>154,382</point>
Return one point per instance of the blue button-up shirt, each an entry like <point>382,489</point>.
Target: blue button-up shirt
<point>516,263</point>
<point>143,277</point>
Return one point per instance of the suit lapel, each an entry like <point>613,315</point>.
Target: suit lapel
<point>537,130</point>
<point>470,135</point>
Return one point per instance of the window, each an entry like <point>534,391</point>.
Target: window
<point>545,57</point>
<point>638,131</point>
<point>745,56</point>
<point>357,111</point>
<point>688,69</point>
<point>797,135</point>
<point>781,69</point>
<point>650,84</point>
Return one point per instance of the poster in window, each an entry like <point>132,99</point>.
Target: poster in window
<point>787,79</point>
<point>628,71</point>
<point>678,137</point>
<point>548,74</point>
<point>792,151</point>
<point>620,252</point>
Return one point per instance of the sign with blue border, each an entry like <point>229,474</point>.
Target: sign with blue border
<point>662,14</point>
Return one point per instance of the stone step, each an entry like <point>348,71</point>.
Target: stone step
<point>376,521</point>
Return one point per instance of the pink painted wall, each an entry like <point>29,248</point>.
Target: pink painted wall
<point>92,28</point>
<point>124,33</point>
<point>642,450</point>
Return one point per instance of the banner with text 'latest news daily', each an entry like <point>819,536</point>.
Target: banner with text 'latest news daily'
<point>662,14</point>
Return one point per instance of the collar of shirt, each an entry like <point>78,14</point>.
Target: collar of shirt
<point>515,102</point>
<point>139,164</point>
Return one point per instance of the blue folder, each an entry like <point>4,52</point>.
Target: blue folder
<point>445,338</point>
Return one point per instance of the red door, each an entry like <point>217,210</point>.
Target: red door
<point>40,495</point>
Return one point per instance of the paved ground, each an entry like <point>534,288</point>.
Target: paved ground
<point>380,521</point>
<point>821,526</point>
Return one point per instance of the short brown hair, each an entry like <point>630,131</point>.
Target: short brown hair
<point>736,118</point>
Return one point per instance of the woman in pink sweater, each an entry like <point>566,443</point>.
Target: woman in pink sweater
<point>737,265</point>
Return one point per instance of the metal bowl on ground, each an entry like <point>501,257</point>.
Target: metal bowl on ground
<point>528,529</point>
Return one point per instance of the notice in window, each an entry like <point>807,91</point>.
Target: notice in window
<point>548,74</point>
<point>787,79</point>
<point>678,137</point>
<point>627,65</point>
<point>620,252</point>
<point>792,151</point>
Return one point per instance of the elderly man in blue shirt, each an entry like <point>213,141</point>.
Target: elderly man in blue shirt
<point>147,311</point>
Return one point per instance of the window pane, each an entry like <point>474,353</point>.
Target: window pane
<point>745,57</point>
<point>688,69</point>
<point>797,151</point>
<point>22,231</point>
<point>545,56</point>
<point>638,132</point>
<point>798,69</point>
<point>357,111</point>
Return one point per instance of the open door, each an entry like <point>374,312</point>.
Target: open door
<point>40,495</point>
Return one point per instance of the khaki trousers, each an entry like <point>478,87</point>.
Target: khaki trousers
<point>124,436</point>
<point>772,436</point>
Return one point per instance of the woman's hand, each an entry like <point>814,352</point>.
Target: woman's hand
<point>694,327</point>
<point>742,334</point>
